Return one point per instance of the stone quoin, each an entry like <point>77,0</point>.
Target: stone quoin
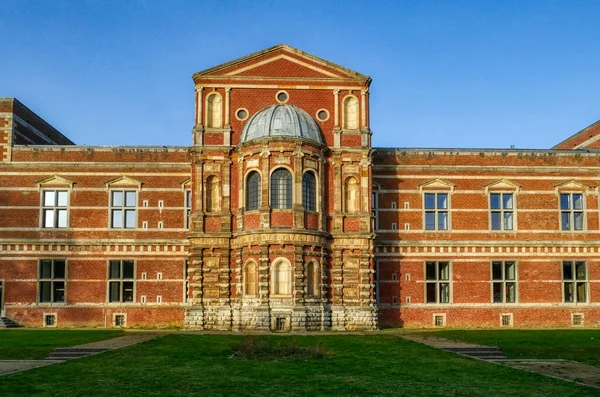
<point>281,216</point>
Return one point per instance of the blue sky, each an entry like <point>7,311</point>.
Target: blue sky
<point>445,74</point>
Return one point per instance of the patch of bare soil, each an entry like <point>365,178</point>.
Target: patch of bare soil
<point>570,370</point>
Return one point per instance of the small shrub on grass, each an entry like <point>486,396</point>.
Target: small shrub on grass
<point>250,348</point>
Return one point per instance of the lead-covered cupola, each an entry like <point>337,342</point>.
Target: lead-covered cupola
<point>285,121</point>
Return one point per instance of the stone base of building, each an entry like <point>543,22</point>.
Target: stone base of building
<point>253,316</point>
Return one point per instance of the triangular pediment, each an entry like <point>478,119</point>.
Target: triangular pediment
<point>436,184</point>
<point>281,61</point>
<point>123,180</point>
<point>55,180</point>
<point>572,184</point>
<point>502,184</point>
<point>186,183</point>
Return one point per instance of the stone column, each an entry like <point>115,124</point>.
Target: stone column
<point>265,206</point>
<point>226,192</point>
<point>241,190</point>
<point>338,194</point>
<point>198,126</point>
<point>227,127</point>
<point>298,209</point>
<point>198,214</point>
<point>336,124</point>
<point>263,315</point>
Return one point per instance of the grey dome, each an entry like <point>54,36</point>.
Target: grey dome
<point>281,121</point>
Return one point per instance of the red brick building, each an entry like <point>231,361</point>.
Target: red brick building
<point>281,216</point>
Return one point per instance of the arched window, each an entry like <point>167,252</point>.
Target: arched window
<point>351,195</point>
<point>250,285</point>
<point>350,113</point>
<point>212,194</point>
<point>309,191</point>
<point>282,278</point>
<point>281,189</point>
<point>312,279</point>
<point>214,111</point>
<point>252,191</point>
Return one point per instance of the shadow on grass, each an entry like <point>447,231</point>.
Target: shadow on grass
<point>250,348</point>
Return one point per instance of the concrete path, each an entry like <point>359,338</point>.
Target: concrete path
<point>12,366</point>
<point>570,371</point>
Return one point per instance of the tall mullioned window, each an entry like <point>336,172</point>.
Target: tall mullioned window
<point>252,191</point>
<point>123,209</point>
<point>188,208</point>
<point>121,280</point>
<point>54,208</point>
<point>575,281</point>
<point>502,211</point>
<point>504,282</point>
<point>571,211</point>
<point>436,211</point>
<point>281,189</point>
<point>437,282</point>
<point>52,280</point>
<point>309,191</point>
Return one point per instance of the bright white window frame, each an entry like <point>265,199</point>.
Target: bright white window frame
<point>54,206</point>
<point>124,208</point>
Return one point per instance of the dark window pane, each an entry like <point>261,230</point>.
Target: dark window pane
<point>508,221</point>
<point>565,220</point>
<point>444,271</point>
<point>59,269</point>
<point>511,292</point>
<point>581,292</point>
<point>431,293</point>
<point>45,269</point>
<point>578,221</point>
<point>495,201</point>
<point>442,201</point>
<point>281,189</point>
<point>429,201</point>
<point>188,199</point>
<point>580,270</point>
<point>568,292</point>
<point>442,221</point>
<point>430,271</point>
<point>127,269</point>
<point>497,292</point>
<point>496,221</point>
<point>568,270</point>
<point>45,291</point>
<point>444,293</point>
<point>577,201</point>
<point>509,273</point>
<point>128,291</point>
<point>565,202</point>
<point>252,191</point>
<point>309,197</point>
<point>59,291</point>
<point>507,201</point>
<point>496,270</point>
<point>115,269</point>
<point>114,293</point>
<point>430,221</point>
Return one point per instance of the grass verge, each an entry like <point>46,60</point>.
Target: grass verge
<point>581,345</point>
<point>370,365</point>
<point>35,344</point>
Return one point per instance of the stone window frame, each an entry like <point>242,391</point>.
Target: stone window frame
<point>502,211</point>
<point>187,205</point>
<point>344,110</point>
<point>438,282</point>
<point>55,208</point>
<point>346,191</point>
<point>239,110</point>
<point>571,211</point>
<point>121,280</point>
<point>315,193</point>
<point>375,193</point>
<point>275,289</point>
<point>316,279</point>
<point>52,280</point>
<point>322,110</point>
<point>503,280</point>
<point>123,208</point>
<point>245,279</point>
<point>436,210</point>
<point>208,191</point>
<point>289,195</point>
<point>282,92</point>
<point>207,108</point>
<point>186,282</point>
<point>574,280</point>
<point>114,320</point>
<point>247,190</point>
<point>53,315</point>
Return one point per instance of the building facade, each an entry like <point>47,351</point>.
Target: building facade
<point>282,216</point>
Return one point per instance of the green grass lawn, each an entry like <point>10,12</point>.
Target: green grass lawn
<point>371,365</point>
<point>581,345</point>
<point>35,344</point>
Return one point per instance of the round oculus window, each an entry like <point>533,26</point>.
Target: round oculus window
<point>322,115</point>
<point>282,96</point>
<point>241,114</point>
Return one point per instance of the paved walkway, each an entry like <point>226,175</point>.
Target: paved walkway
<point>571,371</point>
<point>12,366</point>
